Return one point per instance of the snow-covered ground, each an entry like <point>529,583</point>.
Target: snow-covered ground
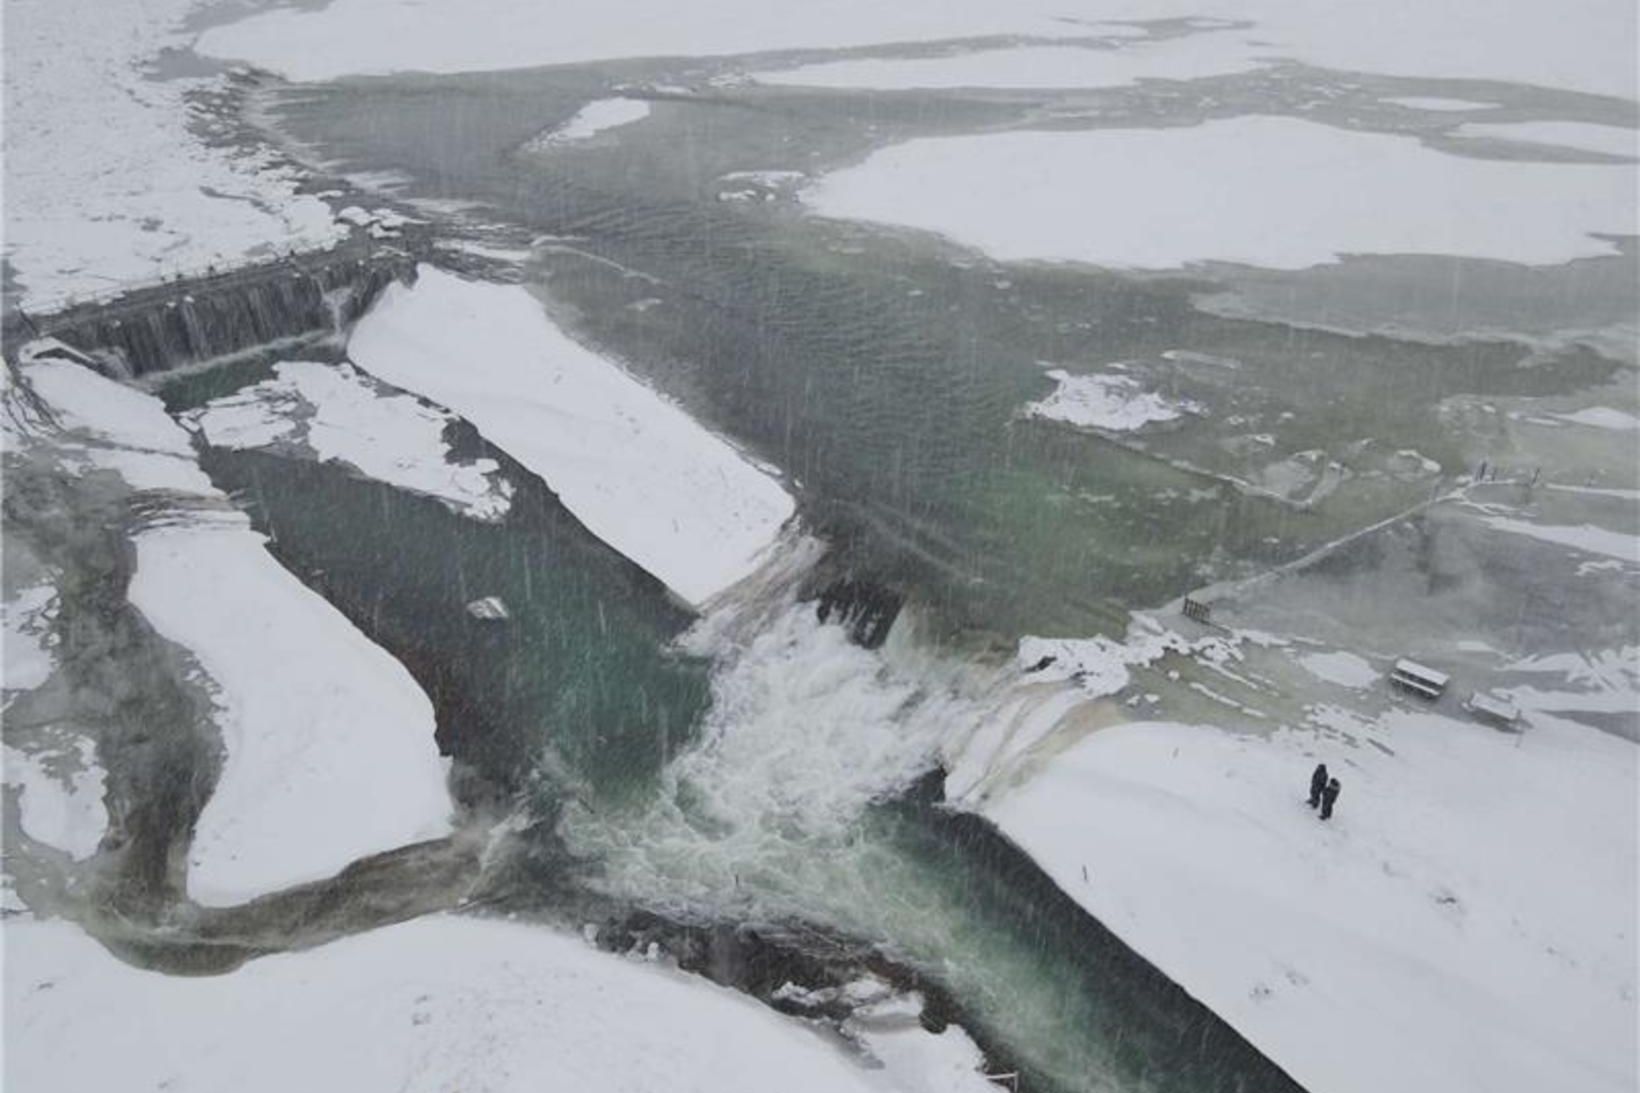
<point>85,214</point>
<point>1265,191</point>
<point>640,473</point>
<point>314,718</point>
<point>1104,401</point>
<point>336,413</point>
<point>593,118</point>
<point>1190,57</point>
<point>1584,45</point>
<point>1612,140</point>
<point>1465,922</point>
<point>440,1003</point>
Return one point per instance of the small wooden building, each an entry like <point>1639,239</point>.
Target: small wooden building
<point>1424,682</point>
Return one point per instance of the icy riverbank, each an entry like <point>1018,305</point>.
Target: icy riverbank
<point>637,470</point>
<point>1465,922</point>
<point>435,1004</point>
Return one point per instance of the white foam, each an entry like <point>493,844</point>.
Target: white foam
<point>26,659</point>
<point>1341,667</point>
<point>314,717</point>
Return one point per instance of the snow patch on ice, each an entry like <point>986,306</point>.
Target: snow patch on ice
<point>1611,140</point>
<point>1585,537</point>
<point>1191,57</point>
<point>640,473</point>
<point>595,117</point>
<point>315,719</point>
<point>338,414</point>
<point>62,796</point>
<point>1281,193</point>
<point>1104,401</point>
<point>1341,667</point>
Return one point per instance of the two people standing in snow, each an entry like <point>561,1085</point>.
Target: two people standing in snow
<point>1323,790</point>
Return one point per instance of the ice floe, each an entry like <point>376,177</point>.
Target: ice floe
<point>314,717</point>
<point>1187,58</point>
<point>1588,538</point>
<point>335,413</point>
<point>1105,401</point>
<point>1341,667</point>
<point>1263,191</point>
<point>593,118</point>
<point>1613,140</point>
<point>638,471</point>
<point>1435,102</point>
<point>62,795</point>
<point>26,659</point>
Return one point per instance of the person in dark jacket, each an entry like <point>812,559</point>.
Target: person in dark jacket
<point>1318,782</point>
<point>1328,796</point>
